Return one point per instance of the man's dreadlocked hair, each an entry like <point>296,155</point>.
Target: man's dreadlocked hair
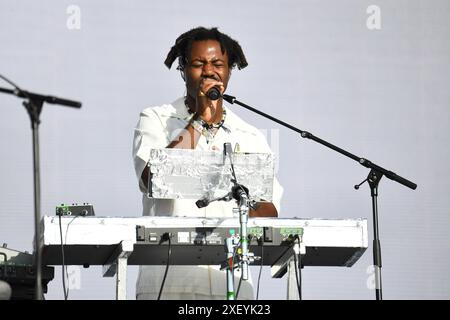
<point>183,46</point>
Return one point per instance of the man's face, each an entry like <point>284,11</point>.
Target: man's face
<point>205,61</point>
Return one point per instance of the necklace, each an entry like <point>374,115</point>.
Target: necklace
<point>212,126</point>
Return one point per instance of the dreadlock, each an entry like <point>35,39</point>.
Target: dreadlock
<point>183,46</point>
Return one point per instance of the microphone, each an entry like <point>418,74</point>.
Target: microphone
<point>206,201</point>
<point>213,93</point>
<point>202,203</point>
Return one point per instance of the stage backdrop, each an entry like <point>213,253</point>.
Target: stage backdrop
<point>369,76</point>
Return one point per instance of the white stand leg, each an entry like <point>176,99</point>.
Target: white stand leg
<point>118,263</point>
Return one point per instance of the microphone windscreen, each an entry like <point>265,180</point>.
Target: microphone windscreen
<point>213,93</point>
<point>201,203</point>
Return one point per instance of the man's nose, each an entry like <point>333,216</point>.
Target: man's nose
<point>208,69</point>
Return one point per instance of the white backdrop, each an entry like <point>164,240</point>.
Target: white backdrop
<point>369,76</point>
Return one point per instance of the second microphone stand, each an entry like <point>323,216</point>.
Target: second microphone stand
<point>376,173</point>
<point>33,104</point>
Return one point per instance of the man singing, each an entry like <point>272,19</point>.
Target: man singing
<point>205,60</point>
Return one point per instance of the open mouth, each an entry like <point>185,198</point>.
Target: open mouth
<point>214,77</point>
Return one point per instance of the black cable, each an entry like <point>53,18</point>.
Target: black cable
<point>243,190</point>
<point>260,268</point>
<point>298,272</point>
<point>240,279</point>
<point>166,236</point>
<point>300,267</point>
<point>240,186</point>
<point>234,174</point>
<point>18,90</point>
<point>11,83</point>
<point>232,267</point>
<point>239,286</point>
<point>259,276</point>
<point>64,269</point>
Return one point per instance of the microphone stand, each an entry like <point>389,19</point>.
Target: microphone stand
<point>375,174</point>
<point>34,105</point>
<point>240,193</point>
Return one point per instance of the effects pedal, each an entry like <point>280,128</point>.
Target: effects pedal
<point>75,209</point>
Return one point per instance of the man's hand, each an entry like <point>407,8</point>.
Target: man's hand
<point>264,209</point>
<point>206,108</point>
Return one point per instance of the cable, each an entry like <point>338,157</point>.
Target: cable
<point>300,267</point>
<point>243,190</point>
<point>260,268</point>
<point>64,269</point>
<point>298,278</point>
<point>166,236</point>
<point>240,279</point>
<point>239,286</point>
<point>17,88</point>
<point>232,267</point>
<point>233,173</point>
<point>298,273</point>
<point>11,83</point>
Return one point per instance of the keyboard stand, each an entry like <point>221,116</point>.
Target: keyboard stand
<point>117,265</point>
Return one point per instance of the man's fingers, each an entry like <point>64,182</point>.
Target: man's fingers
<point>207,86</point>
